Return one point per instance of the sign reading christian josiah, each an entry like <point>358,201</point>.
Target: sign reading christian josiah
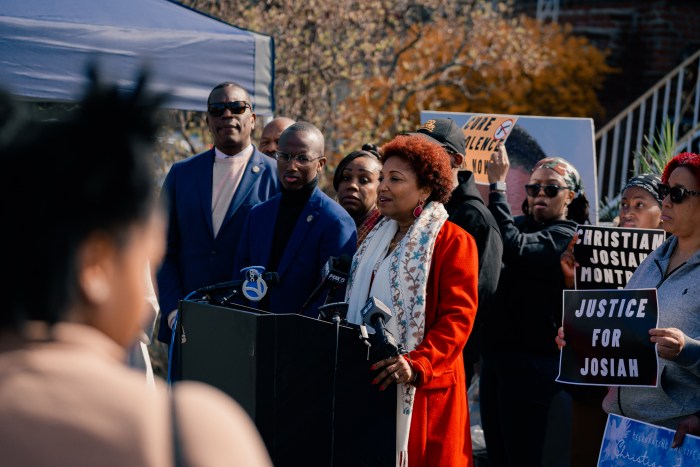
<point>607,338</point>
<point>630,442</point>
<point>608,256</point>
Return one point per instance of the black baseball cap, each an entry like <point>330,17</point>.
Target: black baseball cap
<point>445,132</point>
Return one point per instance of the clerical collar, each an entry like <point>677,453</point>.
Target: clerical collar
<point>300,195</point>
<point>247,152</point>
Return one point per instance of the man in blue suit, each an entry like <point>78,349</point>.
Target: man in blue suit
<point>296,232</point>
<point>209,196</point>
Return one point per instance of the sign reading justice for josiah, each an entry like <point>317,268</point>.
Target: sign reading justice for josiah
<point>607,337</point>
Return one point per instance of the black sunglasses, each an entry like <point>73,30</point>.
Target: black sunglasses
<point>549,190</point>
<point>677,193</point>
<point>217,109</point>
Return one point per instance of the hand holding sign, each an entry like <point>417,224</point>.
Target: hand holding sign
<point>669,342</point>
<point>569,264</point>
<point>690,424</point>
<point>498,165</point>
<point>561,343</point>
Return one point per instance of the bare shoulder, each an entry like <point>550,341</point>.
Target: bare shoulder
<point>215,430</point>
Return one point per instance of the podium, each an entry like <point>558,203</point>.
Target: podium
<point>281,368</point>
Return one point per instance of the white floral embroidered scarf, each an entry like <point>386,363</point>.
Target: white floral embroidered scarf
<point>408,279</point>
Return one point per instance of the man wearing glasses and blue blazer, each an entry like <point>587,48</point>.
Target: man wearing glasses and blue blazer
<point>208,198</point>
<point>297,231</point>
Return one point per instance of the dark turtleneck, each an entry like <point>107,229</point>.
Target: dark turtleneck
<point>291,205</point>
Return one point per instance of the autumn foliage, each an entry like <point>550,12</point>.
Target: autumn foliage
<point>363,70</point>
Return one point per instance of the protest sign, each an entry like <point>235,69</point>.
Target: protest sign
<point>533,138</point>
<point>630,442</point>
<point>607,338</point>
<point>482,134</point>
<point>608,256</point>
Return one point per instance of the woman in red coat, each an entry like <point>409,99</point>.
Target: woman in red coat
<point>425,270</point>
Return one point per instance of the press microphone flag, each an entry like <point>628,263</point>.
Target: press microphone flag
<point>271,278</point>
<point>375,310</point>
<point>376,314</point>
<point>333,275</point>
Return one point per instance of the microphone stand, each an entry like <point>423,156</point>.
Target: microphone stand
<point>336,320</point>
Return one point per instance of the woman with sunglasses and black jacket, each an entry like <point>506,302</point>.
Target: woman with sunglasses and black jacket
<point>519,361</point>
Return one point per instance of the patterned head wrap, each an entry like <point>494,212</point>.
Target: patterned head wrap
<point>565,169</point>
<point>649,182</point>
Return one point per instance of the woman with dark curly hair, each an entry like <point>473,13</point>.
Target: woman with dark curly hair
<point>425,270</point>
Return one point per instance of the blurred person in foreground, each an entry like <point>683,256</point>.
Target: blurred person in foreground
<point>519,368</point>
<point>674,270</point>
<point>425,269</point>
<point>66,395</point>
<point>356,180</point>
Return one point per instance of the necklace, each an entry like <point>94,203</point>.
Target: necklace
<point>395,241</point>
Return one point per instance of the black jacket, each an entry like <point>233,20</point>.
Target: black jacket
<point>527,307</point>
<point>467,210</point>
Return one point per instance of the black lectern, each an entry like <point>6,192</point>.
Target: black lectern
<point>280,368</point>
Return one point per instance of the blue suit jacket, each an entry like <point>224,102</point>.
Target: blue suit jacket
<point>324,229</point>
<point>194,258</point>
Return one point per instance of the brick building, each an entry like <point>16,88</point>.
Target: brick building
<point>646,39</point>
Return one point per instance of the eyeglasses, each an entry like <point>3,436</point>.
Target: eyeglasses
<point>549,190</point>
<point>677,193</point>
<point>301,159</point>
<point>217,109</point>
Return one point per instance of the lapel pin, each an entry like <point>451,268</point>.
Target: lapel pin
<point>309,218</point>
<point>256,169</point>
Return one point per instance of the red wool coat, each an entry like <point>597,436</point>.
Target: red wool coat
<point>440,433</point>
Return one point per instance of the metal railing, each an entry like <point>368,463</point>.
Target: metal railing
<point>676,97</point>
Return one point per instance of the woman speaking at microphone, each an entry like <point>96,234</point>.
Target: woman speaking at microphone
<point>425,270</point>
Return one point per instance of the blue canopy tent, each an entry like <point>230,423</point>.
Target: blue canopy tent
<point>47,45</point>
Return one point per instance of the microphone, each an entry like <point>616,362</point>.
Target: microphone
<point>270,278</point>
<point>333,275</point>
<point>376,314</point>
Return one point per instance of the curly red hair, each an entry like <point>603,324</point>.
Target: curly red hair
<point>689,160</point>
<point>429,161</point>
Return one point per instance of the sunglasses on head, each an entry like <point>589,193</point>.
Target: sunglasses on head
<point>549,190</point>
<point>677,193</point>
<point>217,109</point>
